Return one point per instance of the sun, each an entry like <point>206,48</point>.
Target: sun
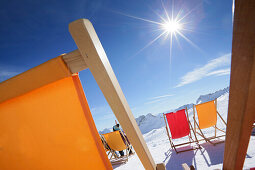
<point>171,26</point>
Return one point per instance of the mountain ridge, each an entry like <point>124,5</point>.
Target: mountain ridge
<point>144,121</point>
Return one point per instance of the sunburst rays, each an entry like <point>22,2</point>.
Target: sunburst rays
<point>172,27</point>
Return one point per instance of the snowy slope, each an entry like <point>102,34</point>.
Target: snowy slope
<point>188,106</point>
<point>212,96</point>
<point>209,157</point>
<point>149,122</point>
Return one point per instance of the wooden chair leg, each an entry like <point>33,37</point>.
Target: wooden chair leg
<point>202,135</point>
<point>222,118</point>
<point>186,167</point>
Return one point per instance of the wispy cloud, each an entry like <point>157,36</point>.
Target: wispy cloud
<point>99,110</point>
<point>219,72</point>
<point>163,96</point>
<point>158,98</point>
<point>7,72</point>
<point>153,101</point>
<point>107,116</point>
<point>207,70</point>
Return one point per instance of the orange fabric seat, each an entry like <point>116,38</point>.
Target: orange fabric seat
<point>207,117</point>
<point>114,140</point>
<point>51,128</point>
<point>207,114</point>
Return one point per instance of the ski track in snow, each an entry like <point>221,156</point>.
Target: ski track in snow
<point>209,157</point>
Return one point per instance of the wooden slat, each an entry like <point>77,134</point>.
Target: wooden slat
<point>242,86</point>
<point>94,55</point>
<point>46,73</point>
<point>74,61</point>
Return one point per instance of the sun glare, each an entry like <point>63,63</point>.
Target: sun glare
<point>172,26</point>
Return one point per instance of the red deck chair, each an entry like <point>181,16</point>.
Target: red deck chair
<point>180,126</point>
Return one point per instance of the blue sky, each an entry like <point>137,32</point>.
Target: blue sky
<point>152,80</point>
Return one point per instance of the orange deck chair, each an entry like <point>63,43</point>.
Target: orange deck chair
<point>45,122</point>
<point>117,142</point>
<point>179,125</point>
<point>109,151</point>
<point>207,117</point>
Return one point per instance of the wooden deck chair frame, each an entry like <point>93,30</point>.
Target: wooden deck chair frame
<point>110,152</point>
<point>200,133</point>
<point>115,159</point>
<point>129,147</point>
<point>191,140</point>
<point>91,55</point>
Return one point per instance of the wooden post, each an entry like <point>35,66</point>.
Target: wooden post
<point>95,57</point>
<point>242,86</point>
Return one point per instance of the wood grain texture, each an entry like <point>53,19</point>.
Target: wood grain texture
<point>95,57</point>
<point>74,61</point>
<point>242,86</point>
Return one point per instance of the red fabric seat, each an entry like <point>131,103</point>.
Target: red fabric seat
<point>178,124</point>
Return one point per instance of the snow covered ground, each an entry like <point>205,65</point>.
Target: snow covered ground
<point>209,157</point>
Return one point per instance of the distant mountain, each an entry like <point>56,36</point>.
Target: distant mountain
<point>189,106</point>
<point>149,122</point>
<point>106,130</point>
<point>145,121</point>
<point>212,96</point>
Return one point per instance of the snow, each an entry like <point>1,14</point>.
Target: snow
<point>145,122</point>
<point>149,122</point>
<point>209,157</point>
<point>212,96</point>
